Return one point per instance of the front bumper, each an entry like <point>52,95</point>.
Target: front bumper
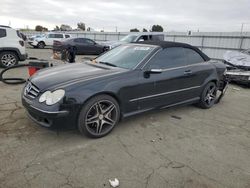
<point>46,118</point>
<point>33,43</point>
<point>239,76</point>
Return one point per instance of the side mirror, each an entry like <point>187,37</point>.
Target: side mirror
<point>152,71</point>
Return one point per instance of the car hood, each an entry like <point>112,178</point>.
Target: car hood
<point>112,44</point>
<point>63,75</point>
<point>237,59</point>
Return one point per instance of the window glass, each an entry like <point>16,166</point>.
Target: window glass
<point>58,36</point>
<point>129,38</point>
<point>143,38</point>
<point>168,58</point>
<point>51,36</point>
<point>2,33</point>
<point>126,56</point>
<point>89,41</point>
<point>81,40</point>
<point>192,56</point>
<point>67,36</point>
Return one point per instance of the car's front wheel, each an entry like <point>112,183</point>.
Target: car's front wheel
<point>208,96</point>
<point>99,116</point>
<point>8,59</point>
<point>41,45</point>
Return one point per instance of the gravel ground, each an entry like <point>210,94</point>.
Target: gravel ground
<point>178,147</point>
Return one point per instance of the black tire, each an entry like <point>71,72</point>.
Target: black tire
<point>105,49</point>
<point>208,96</point>
<point>98,116</point>
<point>41,45</point>
<point>8,59</point>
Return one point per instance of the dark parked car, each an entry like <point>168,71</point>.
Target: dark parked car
<point>125,81</point>
<point>82,46</point>
<point>238,66</point>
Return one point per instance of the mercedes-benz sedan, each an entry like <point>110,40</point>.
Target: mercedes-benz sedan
<point>127,80</point>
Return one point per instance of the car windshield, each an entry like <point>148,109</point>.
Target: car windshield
<point>40,36</point>
<point>125,56</point>
<point>129,38</point>
<point>246,51</point>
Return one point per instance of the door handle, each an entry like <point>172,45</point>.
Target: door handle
<point>188,72</point>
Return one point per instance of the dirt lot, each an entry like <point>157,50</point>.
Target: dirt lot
<point>178,147</point>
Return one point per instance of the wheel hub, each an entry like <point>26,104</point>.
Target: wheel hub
<point>101,117</point>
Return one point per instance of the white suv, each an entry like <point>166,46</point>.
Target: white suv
<point>47,39</point>
<point>12,47</point>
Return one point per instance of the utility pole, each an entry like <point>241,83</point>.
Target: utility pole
<point>242,27</point>
<point>241,30</point>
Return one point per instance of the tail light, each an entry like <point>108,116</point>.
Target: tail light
<point>21,42</point>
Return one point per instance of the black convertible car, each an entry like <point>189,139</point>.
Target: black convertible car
<point>125,81</point>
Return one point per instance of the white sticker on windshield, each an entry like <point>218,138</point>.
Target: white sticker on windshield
<point>142,48</point>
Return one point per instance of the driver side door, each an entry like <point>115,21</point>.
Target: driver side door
<point>170,76</point>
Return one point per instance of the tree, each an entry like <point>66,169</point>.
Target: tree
<point>57,28</point>
<point>157,28</point>
<point>144,30</point>
<point>81,26</point>
<point>40,28</point>
<point>65,27</point>
<point>134,30</point>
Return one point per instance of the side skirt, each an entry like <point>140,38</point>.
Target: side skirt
<point>186,102</point>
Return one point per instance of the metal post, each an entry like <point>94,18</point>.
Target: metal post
<point>241,42</point>
<point>241,30</point>
<point>202,42</point>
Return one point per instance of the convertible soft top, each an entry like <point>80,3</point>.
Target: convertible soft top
<point>167,44</point>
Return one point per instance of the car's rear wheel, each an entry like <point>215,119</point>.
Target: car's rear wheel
<point>8,59</point>
<point>41,45</point>
<point>208,96</point>
<point>99,116</point>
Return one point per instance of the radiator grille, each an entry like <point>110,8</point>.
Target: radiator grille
<point>31,90</point>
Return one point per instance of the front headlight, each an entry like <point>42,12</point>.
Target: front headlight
<point>51,98</point>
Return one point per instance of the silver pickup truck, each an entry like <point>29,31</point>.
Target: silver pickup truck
<point>135,37</point>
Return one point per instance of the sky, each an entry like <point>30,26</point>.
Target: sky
<point>173,15</point>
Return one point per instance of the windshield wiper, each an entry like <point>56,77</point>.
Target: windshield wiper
<point>107,63</point>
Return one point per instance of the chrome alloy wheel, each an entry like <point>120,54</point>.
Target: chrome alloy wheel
<point>8,60</point>
<point>101,117</point>
<point>210,95</point>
